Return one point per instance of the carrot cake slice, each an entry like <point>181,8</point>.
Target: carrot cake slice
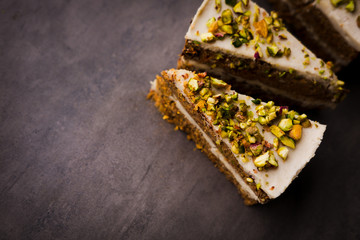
<point>245,46</point>
<point>259,146</point>
<point>331,28</point>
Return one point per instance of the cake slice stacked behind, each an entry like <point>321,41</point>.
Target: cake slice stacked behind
<point>331,28</point>
<point>242,44</point>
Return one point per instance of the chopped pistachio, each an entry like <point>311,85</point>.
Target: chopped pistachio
<point>231,2</point>
<point>262,121</point>
<point>227,29</point>
<point>218,5</point>
<point>306,61</point>
<point>287,141</point>
<point>276,143</point>
<point>256,149</point>
<point>269,104</point>
<point>245,2</point>
<point>296,132</point>
<point>218,83</point>
<point>243,158</point>
<point>296,122</point>
<point>276,131</point>
<point>273,161</point>
<point>210,21</point>
<point>193,84</point>
<point>249,180</point>
<point>235,149</point>
<point>340,83</point>
<point>321,72</point>
<point>283,152</point>
<point>258,186</point>
<point>336,3</point>
<point>204,91</point>
<point>226,16</point>
<point>256,101</point>
<point>273,50</point>
<point>235,96</point>
<point>207,37</point>
<point>285,124</point>
<point>306,123</point>
<point>238,8</point>
<point>287,52</point>
<point>261,160</point>
<point>236,42</point>
<point>261,28</point>
<point>350,6</point>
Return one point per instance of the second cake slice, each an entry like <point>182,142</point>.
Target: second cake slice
<point>242,44</point>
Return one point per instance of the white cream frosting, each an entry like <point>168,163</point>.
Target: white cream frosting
<point>273,181</point>
<point>294,61</point>
<point>342,20</point>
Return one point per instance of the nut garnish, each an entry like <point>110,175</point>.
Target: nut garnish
<point>234,121</point>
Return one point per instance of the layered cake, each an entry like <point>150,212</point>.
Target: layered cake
<point>331,28</point>
<point>259,146</point>
<point>245,46</point>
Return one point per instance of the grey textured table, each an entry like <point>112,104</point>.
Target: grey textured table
<point>84,155</point>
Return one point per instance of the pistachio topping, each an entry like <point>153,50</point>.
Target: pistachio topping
<point>218,5</point>
<point>285,124</point>
<point>235,120</point>
<point>350,4</point>
<point>283,152</point>
<point>236,24</point>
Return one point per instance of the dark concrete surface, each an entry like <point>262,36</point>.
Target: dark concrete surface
<point>84,155</point>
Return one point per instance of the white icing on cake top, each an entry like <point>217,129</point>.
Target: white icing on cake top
<point>342,20</point>
<point>273,181</point>
<point>294,61</point>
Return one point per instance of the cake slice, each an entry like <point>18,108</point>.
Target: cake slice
<point>242,44</point>
<point>259,146</point>
<point>331,28</point>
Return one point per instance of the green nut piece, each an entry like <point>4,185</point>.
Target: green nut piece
<point>269,104</point>
<point>245,2</point>
<point>287,141</point>
<point>261,160</point>
<point>285,124</point>
<point>283,152</point>
<point>351,6</point>
<point>276,131</point>
<point>218,83</point>
<point>238,8</point>
<point>256,101</point>
<point>226,16</point>
<point>273,161</point>
<point>193,84</point>
<point>235,96</point>
<point>336,3</point>
<point>296,132</point>
<point>218,5</point>
<point>306,123</point>
<point>273,50</point>
<point>249,180</point>
<point>276,143</point>
<point>207,37</point>
<point>235,149</point>
<point>231,2</point>
<point>228,29</point>
<point>210,21</point>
